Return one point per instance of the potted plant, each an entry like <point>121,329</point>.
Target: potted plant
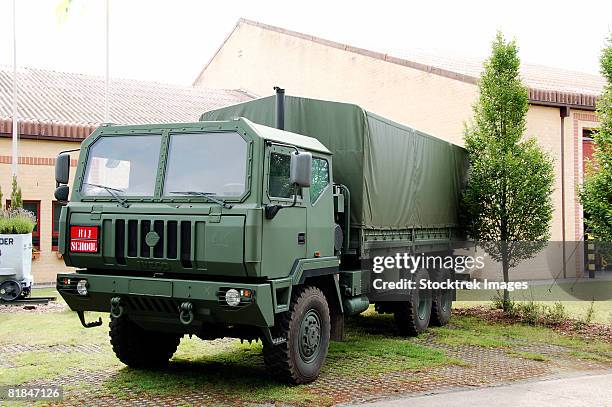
<point>16,226</point>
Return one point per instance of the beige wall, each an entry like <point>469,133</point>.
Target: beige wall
<point>256,59</point>
<point>37,183</point>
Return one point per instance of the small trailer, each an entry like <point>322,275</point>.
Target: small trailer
<point>15,267</point>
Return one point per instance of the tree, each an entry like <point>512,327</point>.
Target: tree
<point>507,201</point>
<point>16,201</point>
<point>1,204</point>
<point>596,193</point>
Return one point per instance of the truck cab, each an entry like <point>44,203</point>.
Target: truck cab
<point>200,228</point>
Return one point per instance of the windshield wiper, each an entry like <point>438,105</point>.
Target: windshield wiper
<point>112,192</point>
<point>207,195</point>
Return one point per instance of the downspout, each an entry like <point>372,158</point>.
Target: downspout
<point>563,112</point>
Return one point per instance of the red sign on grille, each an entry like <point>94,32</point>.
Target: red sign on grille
<point>83,232</point>
<point>84,239</point>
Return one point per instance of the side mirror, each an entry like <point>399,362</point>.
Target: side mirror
<point>62,169</point>
<point>61,193</point>
<point>301,169</point>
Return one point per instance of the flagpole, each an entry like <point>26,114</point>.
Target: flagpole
<point>15,125</point>
<point>106,76</point>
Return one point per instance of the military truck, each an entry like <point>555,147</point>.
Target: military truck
<point>257,222</point>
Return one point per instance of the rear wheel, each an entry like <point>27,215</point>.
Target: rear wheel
<point>412,316</point>
<point>139,348</point>
<point>10,290</point>
<point>306,326</point>
<point>441,301</point>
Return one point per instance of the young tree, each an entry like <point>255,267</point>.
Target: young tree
<point>596,194</point>
<point>16,201</point>
<point>507,201</point>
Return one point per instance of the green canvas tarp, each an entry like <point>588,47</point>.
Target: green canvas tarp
<point>399,177</point>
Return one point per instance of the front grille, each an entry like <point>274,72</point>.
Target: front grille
<point>120,241</point>
<point>186,244</point>
<point>132,239</point>
<point>175,240</point>
<point>145,227</point>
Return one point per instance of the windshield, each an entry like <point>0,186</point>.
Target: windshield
<point>125,165</point>
<point>206,163</point>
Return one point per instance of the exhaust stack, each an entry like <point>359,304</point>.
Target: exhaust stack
<point>280,108</point>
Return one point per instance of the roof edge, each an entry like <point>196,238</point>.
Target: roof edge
<point>47,129</point>
<point>219,48</point>
<point>536,96</point>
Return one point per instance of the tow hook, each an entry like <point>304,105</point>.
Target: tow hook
<point>116,307</point>
<point>94,324</point>
<point>186,315</point>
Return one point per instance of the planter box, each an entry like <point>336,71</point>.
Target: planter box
<point>16,258</point>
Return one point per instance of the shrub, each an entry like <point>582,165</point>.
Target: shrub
<point>531,312</point>
<point>16,201</point>
<point>17,221</point>
<point>590,312</point>
<point>555,314</point>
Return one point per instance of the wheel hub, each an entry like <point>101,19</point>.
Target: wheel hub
<point>310,336</point>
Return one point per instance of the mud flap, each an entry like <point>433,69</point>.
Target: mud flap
<point>337,327</point>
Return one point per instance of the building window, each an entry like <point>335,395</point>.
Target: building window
<point>34,207</point>
<point>588,146</point>
<point>56,210</point>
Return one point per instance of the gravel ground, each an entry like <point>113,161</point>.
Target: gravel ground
<point>53,306</point>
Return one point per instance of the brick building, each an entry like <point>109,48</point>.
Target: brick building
<point>430,93</point>
<point>56,112</point>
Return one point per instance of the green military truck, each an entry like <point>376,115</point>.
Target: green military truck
<point>233,227</point>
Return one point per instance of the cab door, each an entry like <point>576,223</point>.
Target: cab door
<point>320,219</point>
<point>284,237</point>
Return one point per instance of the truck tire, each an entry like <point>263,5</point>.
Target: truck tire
<point>441,301</point>
<point>306,326</point>
<point>139,348</point>
<point>412,316</point>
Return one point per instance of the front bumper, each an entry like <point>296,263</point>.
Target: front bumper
<point>158,300</point>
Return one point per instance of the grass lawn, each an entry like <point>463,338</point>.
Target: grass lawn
<point>567,294</point>
<point>232,371</point>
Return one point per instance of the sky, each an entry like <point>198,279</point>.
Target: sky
<point>171,41</point>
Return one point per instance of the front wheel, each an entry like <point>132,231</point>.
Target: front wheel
<point>306,326</point>
<point>139,348</point>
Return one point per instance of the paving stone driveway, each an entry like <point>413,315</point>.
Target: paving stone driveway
<point>483,367</point>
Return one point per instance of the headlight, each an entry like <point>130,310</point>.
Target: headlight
<point>232,297</point>
<point>82,287</point>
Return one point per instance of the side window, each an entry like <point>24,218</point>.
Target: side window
<point>278,183</point>
<point>320,178</point>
